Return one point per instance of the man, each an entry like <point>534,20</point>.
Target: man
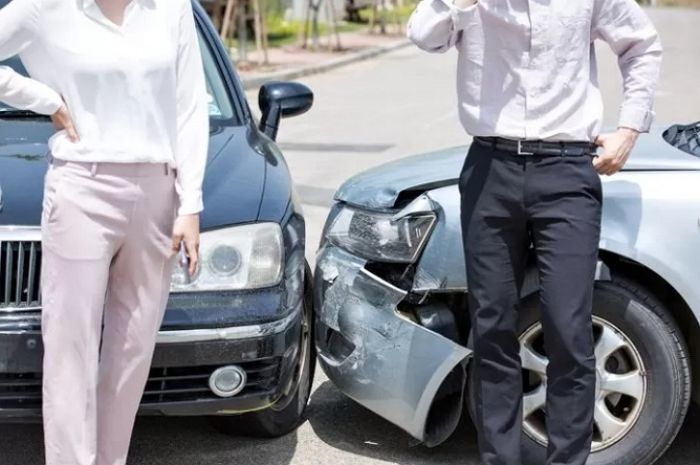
<point>528,93</point>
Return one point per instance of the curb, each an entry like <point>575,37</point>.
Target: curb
<point>254,82</point>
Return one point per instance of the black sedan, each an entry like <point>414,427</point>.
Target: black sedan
<point>236,339</point>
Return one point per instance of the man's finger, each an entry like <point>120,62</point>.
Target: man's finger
<point>613,167</point>
<point>605,169</point>
<point>608,169</point>
<point>620,160</point>
<point>602,164</point>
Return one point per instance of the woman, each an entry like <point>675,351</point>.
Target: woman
<point>124,83</point>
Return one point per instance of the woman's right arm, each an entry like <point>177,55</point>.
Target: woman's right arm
<point>435,25</point>
<point>27,94</point>
<point>19,26</point>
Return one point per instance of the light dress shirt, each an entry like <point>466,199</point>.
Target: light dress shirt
<point>527,68</point>
<point>136,92</point>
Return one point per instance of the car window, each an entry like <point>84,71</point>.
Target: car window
<point>219,101</point>
<point>220,106</point>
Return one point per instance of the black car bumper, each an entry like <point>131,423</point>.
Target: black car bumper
<point>189,349</point>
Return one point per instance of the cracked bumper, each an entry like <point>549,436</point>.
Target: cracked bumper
<point>372,352</point>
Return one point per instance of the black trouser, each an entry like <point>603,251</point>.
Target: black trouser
<point>510,202</point>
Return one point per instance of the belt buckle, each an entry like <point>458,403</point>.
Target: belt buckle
<point>520,149</point>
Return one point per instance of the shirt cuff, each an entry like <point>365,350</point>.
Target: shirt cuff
<point>44,99</point>
<point>637,118</point>
<point>52,104</point>
<point>190,204</point>
<point>39,97</point>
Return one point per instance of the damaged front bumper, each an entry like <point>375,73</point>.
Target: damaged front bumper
<point>378,356</point>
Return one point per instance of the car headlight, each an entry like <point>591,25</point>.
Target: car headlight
<point>240,257</point>
<point>381,236</point>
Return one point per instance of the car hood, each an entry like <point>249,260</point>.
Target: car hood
<point>380,187</point>
<point>232,188</point>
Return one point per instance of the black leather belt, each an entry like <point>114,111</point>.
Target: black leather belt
<point>538,147</point>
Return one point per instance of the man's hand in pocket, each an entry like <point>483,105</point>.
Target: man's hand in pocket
<point>616,147</point>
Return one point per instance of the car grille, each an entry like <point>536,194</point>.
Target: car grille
<point>20,289</point>
<point>20,267</point>
<point>173,384</point>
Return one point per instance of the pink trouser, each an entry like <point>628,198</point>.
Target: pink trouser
<point>107,261</point>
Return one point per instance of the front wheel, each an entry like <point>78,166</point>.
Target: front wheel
<point>643,385</point>
<point>288,412</point>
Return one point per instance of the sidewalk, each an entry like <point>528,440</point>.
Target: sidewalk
<point>292,61</point>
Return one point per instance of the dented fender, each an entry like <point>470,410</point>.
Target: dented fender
<point>441,266</point>
<point>378,356</point>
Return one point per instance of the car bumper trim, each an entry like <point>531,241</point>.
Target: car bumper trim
<point>226,334</point>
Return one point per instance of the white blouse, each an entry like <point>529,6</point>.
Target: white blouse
<point>136,91</point>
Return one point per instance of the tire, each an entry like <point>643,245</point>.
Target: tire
<point>653,339</point>
<point>289,412</point>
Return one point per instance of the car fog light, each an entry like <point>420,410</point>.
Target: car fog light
<point>227,381</point>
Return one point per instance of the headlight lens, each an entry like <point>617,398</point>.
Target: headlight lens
<point>240,257</point>
<point>378,236</point>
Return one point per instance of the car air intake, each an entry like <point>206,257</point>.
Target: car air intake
<point>20,265</point>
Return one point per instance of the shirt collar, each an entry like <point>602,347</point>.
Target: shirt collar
<point>91,3</point>
<point>88,5</point>
<point>91,9</point>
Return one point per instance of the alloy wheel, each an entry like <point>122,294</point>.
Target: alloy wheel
<point>620,388</point>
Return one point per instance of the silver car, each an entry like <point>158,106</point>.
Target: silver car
<point>392,318</point>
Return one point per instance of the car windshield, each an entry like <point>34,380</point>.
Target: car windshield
<point>220,105</point>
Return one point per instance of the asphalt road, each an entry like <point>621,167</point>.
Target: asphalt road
<point>366,114</point>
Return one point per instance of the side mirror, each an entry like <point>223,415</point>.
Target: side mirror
<point>279,100</point>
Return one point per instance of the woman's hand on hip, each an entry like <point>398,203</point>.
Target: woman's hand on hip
<point>62,121</point>
<point>186,230</point>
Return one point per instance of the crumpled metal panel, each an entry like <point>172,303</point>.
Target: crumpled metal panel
<point>441,266</point>
<point>335,271</point>
<point>396,366</point>
<point>379,187</point>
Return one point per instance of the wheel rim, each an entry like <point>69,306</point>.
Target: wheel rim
<point>302,366</point>
<point>621,384</point>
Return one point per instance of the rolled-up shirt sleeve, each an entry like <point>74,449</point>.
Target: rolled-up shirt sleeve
<point>632,36</point>
<point>192,117</point>
<point>435,25</point>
